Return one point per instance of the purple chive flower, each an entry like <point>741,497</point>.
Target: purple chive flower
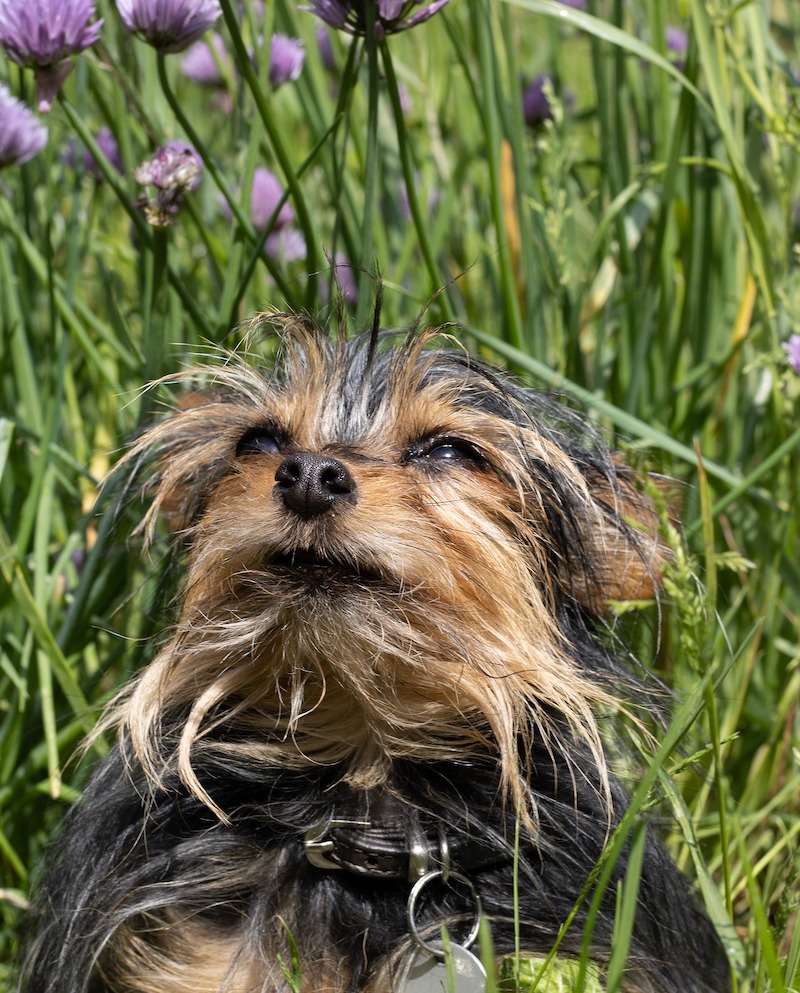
<point>107,144</point>
<point>288,244</point>
<point>42,34</point>
<point>406,102</point>
<point>536,97</point>
<point>325,46</point>
<point>175,170</point>
<point>169,25</point>
<point>344,280</point>
<point>175,166</point>
<point>575,4</point>
<point>792,349</point>
<point>677,42</point>
<point>22,134</point>
<point>265,194</point>
<point>201,67</point>
<point>391,15</point>
<point>284,240</point>
<point>536,107</point>
<point>286,58</point>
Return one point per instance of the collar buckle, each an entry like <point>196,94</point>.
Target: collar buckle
<point>319,846</point>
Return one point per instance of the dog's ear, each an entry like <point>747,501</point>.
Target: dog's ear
<point>181,497</point>
<point>625,553</point>
<point>179,459</point>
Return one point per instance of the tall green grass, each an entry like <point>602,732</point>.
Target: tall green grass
<point>638,253</point>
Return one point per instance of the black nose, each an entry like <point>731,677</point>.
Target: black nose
<point>311,484</point>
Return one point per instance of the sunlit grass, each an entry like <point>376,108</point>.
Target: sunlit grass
<point>637,253</point>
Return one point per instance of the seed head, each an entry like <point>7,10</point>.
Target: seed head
<point>175,170</point>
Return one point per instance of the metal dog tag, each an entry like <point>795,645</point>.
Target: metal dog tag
<point>445,968</point>
<point>428,973</point>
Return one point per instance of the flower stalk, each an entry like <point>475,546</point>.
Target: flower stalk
<point>371,159</point>
<point>443,301</point>
<point>274,135</point>
<point>153,314</point>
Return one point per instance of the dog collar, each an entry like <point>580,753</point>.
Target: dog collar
<point>390,840</point>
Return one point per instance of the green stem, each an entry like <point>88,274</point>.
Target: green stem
<point>77,320</point>
<point>344,226</point>
<point>372,157</point>
<point>245,66</point>
<point>494,138</point>
<point>421,222</point>
<point>620,418</point>
<point>708,662</point>
<point>747,485</point>
<point>258,248</point>
<point>154,311</point>
<point>19,355</point>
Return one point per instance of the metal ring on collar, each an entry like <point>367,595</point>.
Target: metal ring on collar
<point>413,898</point>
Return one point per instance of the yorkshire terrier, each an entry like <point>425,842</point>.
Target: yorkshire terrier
<point>387,675</point>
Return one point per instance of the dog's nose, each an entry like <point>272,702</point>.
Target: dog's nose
<point>311,484</point>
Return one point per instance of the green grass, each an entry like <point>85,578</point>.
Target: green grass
<point>638,253</point>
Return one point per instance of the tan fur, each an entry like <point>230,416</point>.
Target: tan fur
<point>175,957</point>
<point>186,956</point>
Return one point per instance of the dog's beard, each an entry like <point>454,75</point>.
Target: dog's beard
<point>330,646</point>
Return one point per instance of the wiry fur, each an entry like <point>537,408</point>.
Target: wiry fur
<point>447,653</point>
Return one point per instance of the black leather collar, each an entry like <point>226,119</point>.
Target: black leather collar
<point>376,834</point>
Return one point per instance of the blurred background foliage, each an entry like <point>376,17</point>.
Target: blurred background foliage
<point>603,197</point>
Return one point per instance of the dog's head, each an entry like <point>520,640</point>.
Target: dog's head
<point>392,551</point>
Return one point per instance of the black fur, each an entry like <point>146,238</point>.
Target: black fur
<point>108,869</point>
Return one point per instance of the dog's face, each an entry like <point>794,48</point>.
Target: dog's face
<point>391,552</point>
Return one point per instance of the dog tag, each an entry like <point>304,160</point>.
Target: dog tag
<point>428,973</point>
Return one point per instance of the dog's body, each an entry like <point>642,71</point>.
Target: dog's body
<point>391,644</point>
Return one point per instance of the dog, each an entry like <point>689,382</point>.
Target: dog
<point>380,708</point>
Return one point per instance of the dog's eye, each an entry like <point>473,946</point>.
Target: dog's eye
<point>259,441</point>
<point>451,450</point>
